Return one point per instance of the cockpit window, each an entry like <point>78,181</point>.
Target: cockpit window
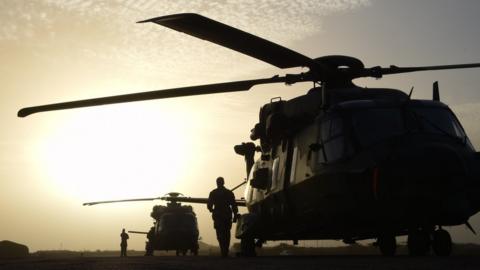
<point>176,221</point>
<point>335,143</point>
<point>438,120</point>
<point>375,124</point>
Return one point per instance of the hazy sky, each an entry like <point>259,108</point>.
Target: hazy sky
<point>55,51</point>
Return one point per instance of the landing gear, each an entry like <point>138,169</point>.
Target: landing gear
<point>180,251</point>
<point>387,244</point>
<point>247,247</point>
<point>442,243</point>
<point>148,249</point>
<point>418,242</point>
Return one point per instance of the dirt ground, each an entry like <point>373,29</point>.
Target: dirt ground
<point>264,263</point>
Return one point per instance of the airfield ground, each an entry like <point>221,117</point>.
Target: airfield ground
<point>264,263</point>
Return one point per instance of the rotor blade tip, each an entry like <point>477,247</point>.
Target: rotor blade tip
<point>148,20</point>
<point>23,112</point>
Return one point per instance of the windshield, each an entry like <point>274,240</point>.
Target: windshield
<point>177,221</point>
<point>375,124</point>
<point>437,120</point>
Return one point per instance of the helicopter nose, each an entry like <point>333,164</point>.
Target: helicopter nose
<point>428,185</point>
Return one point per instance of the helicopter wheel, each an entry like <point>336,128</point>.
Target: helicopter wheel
<point>387,244</point>
<point>149,253</point>
<point>148,250</point>
<point>194,252</point>
<point>442,243</point>
<point>247,246</point>
<point>177,252</point>
<point>184,252</point>
<point>418,242</point>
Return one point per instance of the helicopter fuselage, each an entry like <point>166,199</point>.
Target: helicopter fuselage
<point>175,228</point>
<point>358,166</point>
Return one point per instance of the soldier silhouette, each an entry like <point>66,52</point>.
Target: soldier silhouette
<point>123,244</point>
<point>221,202</point>
<point>149,244</point>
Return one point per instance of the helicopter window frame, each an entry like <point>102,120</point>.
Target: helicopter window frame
<point>275,176</point>
<point>248,195</point>
<point>361,140</point>
<point>333,135</point>
<point>293,170</point>
<point>446,123</point>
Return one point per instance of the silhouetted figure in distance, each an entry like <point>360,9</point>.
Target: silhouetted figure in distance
<point>149,244</point>
<point>123,244</point>
<point>221,202</point>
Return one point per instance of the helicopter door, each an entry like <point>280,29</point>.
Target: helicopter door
<point>285,202</point>
<point>302,154</point>
<point>276,203</point>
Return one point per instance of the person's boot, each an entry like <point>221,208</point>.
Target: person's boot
<point>224,253</point>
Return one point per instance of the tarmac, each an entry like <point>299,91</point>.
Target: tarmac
<point>339,262</point>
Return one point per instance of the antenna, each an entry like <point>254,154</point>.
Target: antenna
<point>436,92</point>
<point>324,102</point>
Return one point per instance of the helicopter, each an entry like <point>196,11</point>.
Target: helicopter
<point>175,226</point>
<point>340,162</point>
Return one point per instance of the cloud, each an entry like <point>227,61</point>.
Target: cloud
<point>268,17</point>
<point>282,21</point>
<point>105,31</point>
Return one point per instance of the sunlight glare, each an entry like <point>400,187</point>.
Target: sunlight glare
<point>122,151</point>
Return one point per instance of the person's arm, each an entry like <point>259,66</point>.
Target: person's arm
<point>234,207</point>
<point>233,204</point>
<point>210,202</point>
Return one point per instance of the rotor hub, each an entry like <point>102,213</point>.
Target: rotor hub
<point>336,62</point>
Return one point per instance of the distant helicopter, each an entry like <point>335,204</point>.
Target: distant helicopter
<point>175,226</point>
<point>340,162</point>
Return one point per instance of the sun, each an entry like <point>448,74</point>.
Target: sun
<point>116,152</point>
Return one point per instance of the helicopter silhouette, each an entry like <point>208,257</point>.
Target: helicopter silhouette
<point>175,226</point>
<point>340,162</point>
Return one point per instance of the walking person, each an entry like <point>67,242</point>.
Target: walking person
<point>221,203</point>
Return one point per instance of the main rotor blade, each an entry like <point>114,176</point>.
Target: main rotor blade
<point>137,232</point>
<point>239,185</point>
<point>196,200</point>
<point>116,201</point>
<point>378,72</point>
<point>160,94</point>
<point>235,39</point>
